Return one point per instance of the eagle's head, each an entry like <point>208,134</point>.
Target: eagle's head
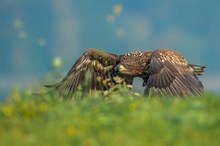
<point>133,63</point>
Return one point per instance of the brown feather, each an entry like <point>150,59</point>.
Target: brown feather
<point>170,74</point>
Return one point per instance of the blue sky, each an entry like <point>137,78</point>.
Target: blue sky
<point>32,33</point>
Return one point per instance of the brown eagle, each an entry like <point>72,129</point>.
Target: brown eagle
<point>164,72</point>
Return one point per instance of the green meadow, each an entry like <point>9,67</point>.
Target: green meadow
<point>120,118</point>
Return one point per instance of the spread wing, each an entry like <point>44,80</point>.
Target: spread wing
<point>170,74</point>
<point>92,71</point>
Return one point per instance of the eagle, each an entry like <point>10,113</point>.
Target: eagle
<point>164,73</point>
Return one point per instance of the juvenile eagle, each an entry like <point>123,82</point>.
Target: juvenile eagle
<point>164,72</point>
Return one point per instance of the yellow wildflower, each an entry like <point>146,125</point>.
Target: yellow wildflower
<point>70,131</point>
<point>7,111</point>
<point>43,107</point>
<point>132,106</point>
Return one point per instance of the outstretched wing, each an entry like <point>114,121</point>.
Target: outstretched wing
<point>170,74</point>
<point>92,71</point>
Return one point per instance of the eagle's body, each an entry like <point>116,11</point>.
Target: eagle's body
<point>165,73</point>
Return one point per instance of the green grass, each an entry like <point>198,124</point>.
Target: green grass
<point>120,119</point>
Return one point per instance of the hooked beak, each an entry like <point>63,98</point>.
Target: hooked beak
<point>120,68</point>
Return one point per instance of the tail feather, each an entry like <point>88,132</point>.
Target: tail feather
<point>198,69</point>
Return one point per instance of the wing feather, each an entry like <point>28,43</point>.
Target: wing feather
<point>170,74</point>
<point>85,71</point>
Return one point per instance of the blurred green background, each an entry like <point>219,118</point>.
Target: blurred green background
<point>33,33</point>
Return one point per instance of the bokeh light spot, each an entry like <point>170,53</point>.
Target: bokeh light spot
<point>57,62</point>
<point>18,23</point>
<point>120,32</point>
<point>117,9</point>
<point>41,42</point>
<point>110,18</point>
<point>22,35</point>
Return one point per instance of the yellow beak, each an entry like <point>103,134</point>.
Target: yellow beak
<point>121,68</point>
